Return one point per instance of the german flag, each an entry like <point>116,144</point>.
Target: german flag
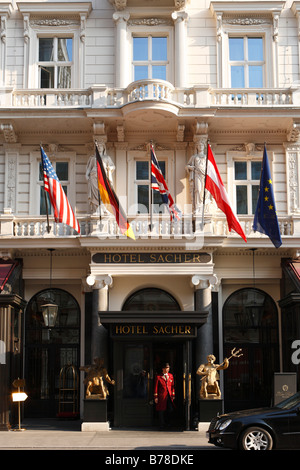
<point>110,199</point>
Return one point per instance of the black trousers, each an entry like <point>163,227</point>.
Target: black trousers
<point>165,415</point>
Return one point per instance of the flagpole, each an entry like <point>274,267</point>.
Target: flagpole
<point>99,198</point>
<point>151,190</point>
<point>203,205</point>
<point>45,195</point>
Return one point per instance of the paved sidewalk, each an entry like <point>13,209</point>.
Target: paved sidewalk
<point>68,436</point>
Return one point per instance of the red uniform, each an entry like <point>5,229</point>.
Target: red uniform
<point>164,387</point>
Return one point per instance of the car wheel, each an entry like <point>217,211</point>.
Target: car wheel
<point>256,438</point>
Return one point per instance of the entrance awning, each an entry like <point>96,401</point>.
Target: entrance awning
<point>6,269</point>
<point>149,316</point>
<point>291,271</point>
<point>295,267</point>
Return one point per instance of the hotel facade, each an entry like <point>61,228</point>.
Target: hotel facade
<point>128,74</point>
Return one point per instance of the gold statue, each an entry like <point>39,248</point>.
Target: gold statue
<point>210,387</point>
<point>96,379</point>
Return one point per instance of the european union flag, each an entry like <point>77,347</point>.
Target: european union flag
<point>265,218</point>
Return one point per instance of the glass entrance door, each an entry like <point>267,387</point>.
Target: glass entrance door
<point>136,365</point>
<point>134,372</point>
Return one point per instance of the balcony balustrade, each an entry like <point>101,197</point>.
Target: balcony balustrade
<point>188,228</point>
<point>99,96</point>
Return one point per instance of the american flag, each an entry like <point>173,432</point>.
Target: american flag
<point>158,184</point>
<point>62,210</point>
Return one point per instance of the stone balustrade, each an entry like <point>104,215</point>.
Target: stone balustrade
<point>99,96</point>
<point>106,227</point>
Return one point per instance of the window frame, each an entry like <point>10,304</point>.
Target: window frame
<point>268,76</point>
<point>132,182</point>
<point>55,63</point>
<point>249,183</point>
<point>243,156</point>
<point>238,18</point>
<point>162,30</point>
<point>62,18</point>
<point>64,183</point>
<point>147,182</point>
<point>246,63</point>
<point>36,183</point>
<point>150,62</point>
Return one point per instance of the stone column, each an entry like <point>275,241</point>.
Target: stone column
<point>121,50</point>
<point>292,148</point>
<point>99,340</point>
<point>204,341</point>
<point>180,18</point>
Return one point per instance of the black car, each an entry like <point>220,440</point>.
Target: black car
<point>259,429</point>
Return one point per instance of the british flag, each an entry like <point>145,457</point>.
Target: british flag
<point>158,183</point>
<point>62,210</point>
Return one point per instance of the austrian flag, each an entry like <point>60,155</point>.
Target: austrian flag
<point>214,184</point>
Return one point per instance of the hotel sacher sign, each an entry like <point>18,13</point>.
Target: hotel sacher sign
<point>154,330</point>
<point>152,258</point>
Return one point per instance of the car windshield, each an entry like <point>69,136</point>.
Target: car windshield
<point>290,402</point>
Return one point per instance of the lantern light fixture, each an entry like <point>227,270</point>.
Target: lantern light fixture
<point>50,309</point>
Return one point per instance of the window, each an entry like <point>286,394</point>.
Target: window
<point>142,181</point>
<point>62,172</point>
<point>250,321</point>
<point>246,59</point>
<point>151,299</point>
<point>246,179</point>
<point>150,57</point>
<point>55,62</point>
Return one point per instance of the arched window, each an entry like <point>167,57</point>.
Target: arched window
<point>48,350</point>
<point>249,315</point>
<point>68,310</point>
<point>151,299</point>
<point>250,322</point>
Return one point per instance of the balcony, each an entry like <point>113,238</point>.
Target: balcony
<point>99,96</point>
<point>187,229</point>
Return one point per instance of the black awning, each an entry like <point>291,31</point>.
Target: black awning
<point>147,317</point>
<point>291,276</point>
<point>295,267</point>
<point>6,270</point>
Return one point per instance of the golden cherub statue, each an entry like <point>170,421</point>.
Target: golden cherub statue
<point>96,379</point>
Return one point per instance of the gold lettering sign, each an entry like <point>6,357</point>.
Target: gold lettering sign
<point>153,330</point>
<point>152,258</point>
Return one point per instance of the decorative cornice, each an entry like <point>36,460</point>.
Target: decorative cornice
<point>55,8</point>
<point>246,21</point>
<point>53,22</point>
<point>150,22</point>
<point>120,5</point>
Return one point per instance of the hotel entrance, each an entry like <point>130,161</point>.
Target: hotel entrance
<point>136,365</point>
<point>150,330</point>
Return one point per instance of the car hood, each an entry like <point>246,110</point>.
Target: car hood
<point>250,412</point>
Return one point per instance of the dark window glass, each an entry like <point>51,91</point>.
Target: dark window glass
<point>151,299</point>
<point>62,171</point>
<point>240,170</point>
<point>47,77</point>
<point>255,170</point>
<point>241,199</point>
<point>46,49</point>
<point>142,170</point>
